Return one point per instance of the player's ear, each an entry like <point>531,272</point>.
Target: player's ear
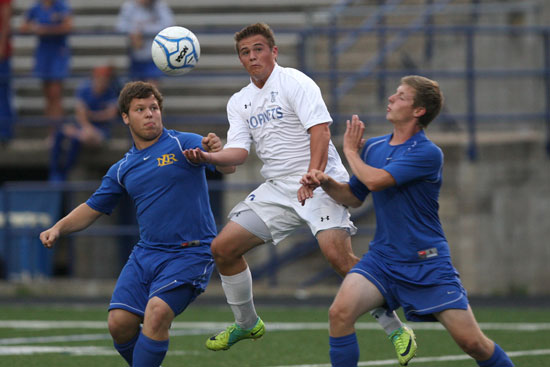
<point>419,111</point>
<point>125,118</point>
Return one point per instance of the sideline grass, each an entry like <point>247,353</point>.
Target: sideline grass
<point>304,345</point>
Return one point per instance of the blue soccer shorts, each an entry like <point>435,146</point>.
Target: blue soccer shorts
<point>52,63</point>
<point>421,288</point>
<point>168,275</point>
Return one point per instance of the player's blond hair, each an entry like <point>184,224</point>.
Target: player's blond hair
<point>255,29</point>
<point>427,94</point>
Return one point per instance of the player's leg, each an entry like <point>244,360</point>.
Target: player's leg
<point>53,92</point>
<point>243,232</point>
<point>152,343</point>
<point>127,307</point>
<point>124,328</point>
<point>465,330</point>
<point>336,246</point>
<point>231,244</point>
<point>356,296</point>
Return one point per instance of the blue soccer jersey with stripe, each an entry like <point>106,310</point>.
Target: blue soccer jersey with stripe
<point>407,221</point>
<point>170,194</point>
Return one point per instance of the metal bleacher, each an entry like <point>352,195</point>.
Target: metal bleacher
<point>205,91</point>
<point>355,50</point>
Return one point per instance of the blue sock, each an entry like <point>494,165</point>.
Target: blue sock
<point>149,352</point>
<point>498,359</point>
<point>344,351</point>
<point>126,350</point>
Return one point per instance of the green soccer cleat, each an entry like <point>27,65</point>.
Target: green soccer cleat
<point>404,341</point>
<point>226,338</point>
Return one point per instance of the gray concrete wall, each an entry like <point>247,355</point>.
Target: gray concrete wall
<point>496,213</point>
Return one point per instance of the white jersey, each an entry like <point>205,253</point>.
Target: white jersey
<point>276,118</point>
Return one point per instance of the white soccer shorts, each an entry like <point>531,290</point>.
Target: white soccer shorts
<point>276,203</point>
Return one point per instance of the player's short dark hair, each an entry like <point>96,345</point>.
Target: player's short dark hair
<point>137,89</point>
<point>427,95</point>
<point>255,29</point>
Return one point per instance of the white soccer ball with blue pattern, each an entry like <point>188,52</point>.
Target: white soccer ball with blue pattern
<point>176,50</point>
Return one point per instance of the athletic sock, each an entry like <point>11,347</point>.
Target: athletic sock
<point>149,352</point>
<point>126,350</point>
<point>498,359</point>
<point>344,351</point>
<point>238,291</point>
<point>387,319</point>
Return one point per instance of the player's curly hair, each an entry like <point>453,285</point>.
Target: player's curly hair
<point>252,30</point>
<point>427,95</point>
<point>137,89</point>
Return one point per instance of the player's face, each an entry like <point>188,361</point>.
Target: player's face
<point>400,107</point>
<point>257,58</point>
<point>144,119</point>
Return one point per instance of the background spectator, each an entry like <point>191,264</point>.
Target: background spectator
<point>142,20</point>
<point>95,111</point>
<point>51,21</point>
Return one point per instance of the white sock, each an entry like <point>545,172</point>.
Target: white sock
<point>388,320</point>
<point>238,291</point>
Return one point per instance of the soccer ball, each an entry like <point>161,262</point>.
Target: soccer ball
<point>176,50</point>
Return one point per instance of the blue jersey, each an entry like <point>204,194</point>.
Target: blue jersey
<point>98,102</point>
<point>408,228</point>
<point>170,194</point>
<point>50,15</point>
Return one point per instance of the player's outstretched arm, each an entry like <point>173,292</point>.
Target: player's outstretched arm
<point>224,158</point>
<point>212,143</point>
<point>78,219</point>
<point>339,191</point>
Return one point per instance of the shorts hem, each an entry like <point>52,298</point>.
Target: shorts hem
<point>123,306</point>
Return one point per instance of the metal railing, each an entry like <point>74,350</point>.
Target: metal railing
<point>342,81</point>
<point>391,40</point>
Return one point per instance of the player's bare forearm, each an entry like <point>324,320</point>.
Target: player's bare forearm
<point>229,157</point>
<point>225,160</point>
<point>340,192</point>
<point>319,142</point>
<point>78,219</point>
<point>226,170</point>
<point>375,179</point>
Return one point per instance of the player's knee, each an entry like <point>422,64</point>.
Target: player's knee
<point>222,251</point>
<point>122,328</point>
<point>157,320</point>
<point>339,315</point>
<point>475,347</point>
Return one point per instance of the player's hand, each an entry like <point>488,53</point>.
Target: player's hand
<point>310,181</point>
<point>312,178</point>
<point>305,192</point>
<point>212,143</point>
<point>353,137</point>
<point>49,237</point>
<point>196,156</point>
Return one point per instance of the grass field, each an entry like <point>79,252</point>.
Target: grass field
<point>58,336</point>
